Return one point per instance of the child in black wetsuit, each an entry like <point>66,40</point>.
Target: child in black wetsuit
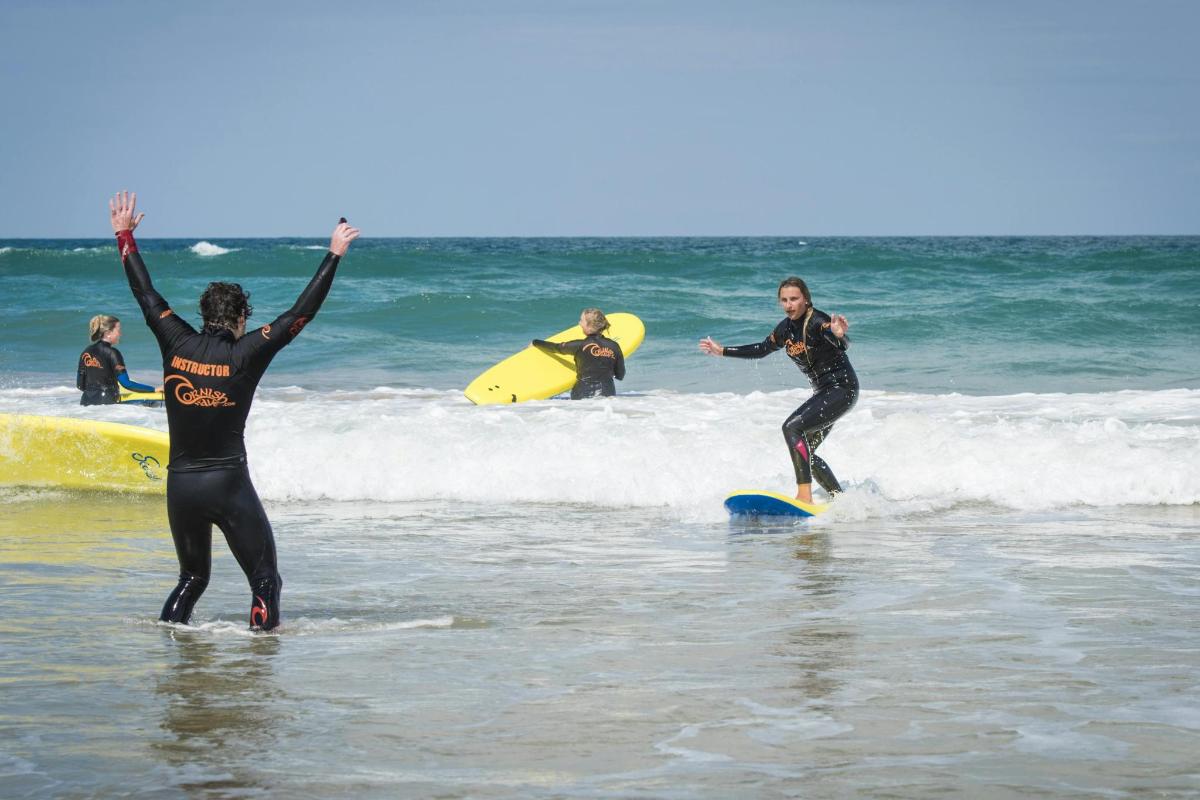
<point>598,359</point>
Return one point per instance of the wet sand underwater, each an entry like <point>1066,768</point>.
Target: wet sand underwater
<point>452,650</point>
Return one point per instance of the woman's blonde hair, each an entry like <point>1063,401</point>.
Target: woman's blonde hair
<point>594,321</point>
<point>100,325</point>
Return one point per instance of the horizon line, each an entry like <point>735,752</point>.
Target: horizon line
<point>207,237</point>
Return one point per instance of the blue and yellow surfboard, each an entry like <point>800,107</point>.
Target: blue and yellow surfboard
<point>751,503</point>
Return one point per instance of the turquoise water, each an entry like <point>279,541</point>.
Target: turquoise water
<point>978,316</point>
<point>548,600</point>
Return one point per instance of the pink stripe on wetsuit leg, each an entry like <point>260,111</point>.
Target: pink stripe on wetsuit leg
<point>802,448</point>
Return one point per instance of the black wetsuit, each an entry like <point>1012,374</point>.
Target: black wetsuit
<point>822,357</point>
<point>598,360</point>
<point>101,369</point>
<point>210,378</point>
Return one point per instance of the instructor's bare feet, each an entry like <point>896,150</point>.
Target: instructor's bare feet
<point>804,492</point>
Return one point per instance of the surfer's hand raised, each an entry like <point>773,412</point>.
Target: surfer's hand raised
<point>343,235</point>
<point>839,325</point>
<point>121,210</point>
<point>707,345</point>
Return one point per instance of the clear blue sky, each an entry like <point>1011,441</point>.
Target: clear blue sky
<point>493,118</point>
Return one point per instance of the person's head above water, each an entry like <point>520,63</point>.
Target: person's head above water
<point>592,320</point>
<point>106,327</point>
<point>794,297</point>
<point>226,305</point>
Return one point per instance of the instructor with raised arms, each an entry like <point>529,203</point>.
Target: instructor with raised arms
<point>210,379</point>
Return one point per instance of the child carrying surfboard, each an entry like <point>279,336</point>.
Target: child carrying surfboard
<point>598,359</point>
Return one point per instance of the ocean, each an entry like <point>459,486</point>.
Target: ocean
<point>548,600</point>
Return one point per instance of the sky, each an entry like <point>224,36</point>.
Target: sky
<point>619,118</point>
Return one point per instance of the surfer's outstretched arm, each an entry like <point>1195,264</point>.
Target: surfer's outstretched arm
<point>756,350</point>
<point>162,321</point>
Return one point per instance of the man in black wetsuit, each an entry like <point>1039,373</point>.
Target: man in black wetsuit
<point>210,378</point>
<point>598,359</point>
<point>817,343</point>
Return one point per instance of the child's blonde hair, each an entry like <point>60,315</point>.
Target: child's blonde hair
<point>594,321</point>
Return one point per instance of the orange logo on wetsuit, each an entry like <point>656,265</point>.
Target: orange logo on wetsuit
<point>166,314</point>
<point>89,360</point>
<point>204,397</point>
<point>258,612</point>
<point>597,351</point>
<point>266,332</point>
<point>298,326</point>
<point>795,348</point>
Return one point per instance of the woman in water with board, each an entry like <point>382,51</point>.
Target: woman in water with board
<point>102,367</point>
<point>817,343</point>
<point>598,359</point>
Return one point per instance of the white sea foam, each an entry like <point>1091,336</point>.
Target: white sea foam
<point>209,249</point>
<point>687,451</point>
<point>683,453</point>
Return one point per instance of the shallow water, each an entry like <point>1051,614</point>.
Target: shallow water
<point>570,651</point>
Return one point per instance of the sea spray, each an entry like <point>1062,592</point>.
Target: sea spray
<point>913,451</point>
<point>684,453</point>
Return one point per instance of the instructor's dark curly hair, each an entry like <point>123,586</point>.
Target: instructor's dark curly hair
<point>223,303</point>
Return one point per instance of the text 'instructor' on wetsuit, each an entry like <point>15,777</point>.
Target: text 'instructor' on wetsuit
<point>210,379</point>
<point>817,343</point>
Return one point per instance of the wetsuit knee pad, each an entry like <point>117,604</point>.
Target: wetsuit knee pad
<point>264,603</point>
<point>797,441</point>
<point>180,602</point>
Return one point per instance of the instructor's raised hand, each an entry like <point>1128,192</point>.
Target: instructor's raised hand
<point>343,235</point>
<point>122,211</point>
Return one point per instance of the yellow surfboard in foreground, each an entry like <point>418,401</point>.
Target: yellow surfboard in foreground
<point>69,453</point>
<point>534,375</point>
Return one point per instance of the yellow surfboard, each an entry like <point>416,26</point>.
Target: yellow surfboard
<point>534,375</point>
<point>129,397</point>
<point>69,453</point>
